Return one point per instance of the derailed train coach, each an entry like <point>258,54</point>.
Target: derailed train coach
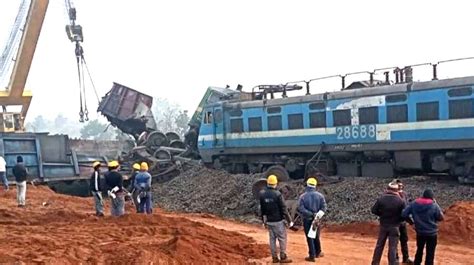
<point>381,130</point>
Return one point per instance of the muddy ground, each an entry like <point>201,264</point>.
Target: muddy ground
<point>60,229</point>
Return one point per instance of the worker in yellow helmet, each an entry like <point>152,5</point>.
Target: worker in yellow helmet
<point>135,170</point>
<point>114,181</point>
<point>311,207</point>
<point>274,212</point>
<point>142,185</point>
<point>96,189</point>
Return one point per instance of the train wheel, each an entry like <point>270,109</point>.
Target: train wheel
<point>280,172</point>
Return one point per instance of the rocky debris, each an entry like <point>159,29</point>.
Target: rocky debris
<point>349,200</point>
<point>203,190</point>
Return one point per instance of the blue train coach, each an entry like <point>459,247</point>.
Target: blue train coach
<point>363,130</point>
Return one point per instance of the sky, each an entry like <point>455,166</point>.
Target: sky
<point>176,49</point>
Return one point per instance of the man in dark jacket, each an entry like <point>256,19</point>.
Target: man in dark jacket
<point>20,172</point>
<point>425,213</point>
<point>96,189</point>
<point>403,227</point>
<point>388,208</point>
<point>274,211</point>
<point>311,206</point>
<point>114,181</point>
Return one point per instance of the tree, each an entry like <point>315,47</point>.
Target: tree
<point>97,131</point>
<point>169,117</point>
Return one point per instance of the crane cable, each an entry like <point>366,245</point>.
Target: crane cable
<point>78,52</point>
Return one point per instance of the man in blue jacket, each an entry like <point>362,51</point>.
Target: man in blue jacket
<point>142,185</point>
<point>312,205</point>
<point>425,213</point>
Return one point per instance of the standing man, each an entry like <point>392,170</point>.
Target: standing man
<point>311,206</point>
<point>114,181</point>
<point>388,208</point>
<point>20,172</point>
<point>136,169</point>
<point>274,212</point>
<point>3,173</point>
<point>425,213</point>
<point>96,189</point>
<point>142,185</point>
<point>403,227</point>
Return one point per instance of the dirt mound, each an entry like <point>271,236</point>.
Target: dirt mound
<point>203,190</point>
<point>64,231</point>
<point>458,226</point>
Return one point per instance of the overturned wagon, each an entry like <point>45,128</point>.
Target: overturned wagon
<point>130,111</point>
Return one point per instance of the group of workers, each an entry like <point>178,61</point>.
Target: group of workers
<point>275,217</point>
<point>393,209</point>
<point>139,183</point>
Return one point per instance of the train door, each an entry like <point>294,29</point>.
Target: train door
<point>218,130</point>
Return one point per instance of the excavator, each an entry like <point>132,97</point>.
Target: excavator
<point>16,59</point>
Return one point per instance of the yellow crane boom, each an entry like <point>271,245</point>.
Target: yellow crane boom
<point>15,94</point>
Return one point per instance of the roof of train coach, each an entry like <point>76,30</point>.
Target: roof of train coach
<point>356,93</point>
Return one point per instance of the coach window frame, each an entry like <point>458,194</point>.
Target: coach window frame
<point>344,122</point>
<point>369,115</point>
<point>295,119</point>
<point>424,110</point>
<point>252,127</point>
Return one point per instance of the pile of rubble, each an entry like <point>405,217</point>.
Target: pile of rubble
<point>204,190</point>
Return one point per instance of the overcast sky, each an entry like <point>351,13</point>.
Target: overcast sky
<point>176,49</point>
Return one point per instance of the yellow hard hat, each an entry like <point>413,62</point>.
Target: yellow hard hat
<point>136,166</point>
<point>95,164</point>
<point>144,166</point>
<point>113,163</point>
<point>312,182</point>
<point>272,180</point>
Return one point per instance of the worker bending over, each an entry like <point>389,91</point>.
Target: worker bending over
<point>142,185</point>
<point>274,211</point>
<point>96,189</point>
<point>114,181</point>
<point>312,207</point>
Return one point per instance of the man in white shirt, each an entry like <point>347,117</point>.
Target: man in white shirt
<point>3,173</point>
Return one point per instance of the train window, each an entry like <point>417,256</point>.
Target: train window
<point>236,126</point>
<point>274,123</point>
<point>460,109</point>
<point>342,117</point>
<point>317,119</point>
<point>218,115</point>
<point>428,111</point>
<point>395,98</point>
<point>459,92</point>
<point>255,124</point>
<point>235,112</point>
<point>295,121</point>
<point>274,110</point>
<point>397,113</point>
<point>208,117</point>
<point>369,115</point>
<point>317,106</point>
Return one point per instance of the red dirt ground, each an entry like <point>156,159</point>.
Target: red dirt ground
<point>64,231</point>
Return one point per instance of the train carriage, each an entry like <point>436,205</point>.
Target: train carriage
<point>370,131</point>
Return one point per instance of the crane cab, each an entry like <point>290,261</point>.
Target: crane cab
<point>11,122</point>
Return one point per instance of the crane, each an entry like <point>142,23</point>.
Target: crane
<point>15,93</point>
<point>25,33</point>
